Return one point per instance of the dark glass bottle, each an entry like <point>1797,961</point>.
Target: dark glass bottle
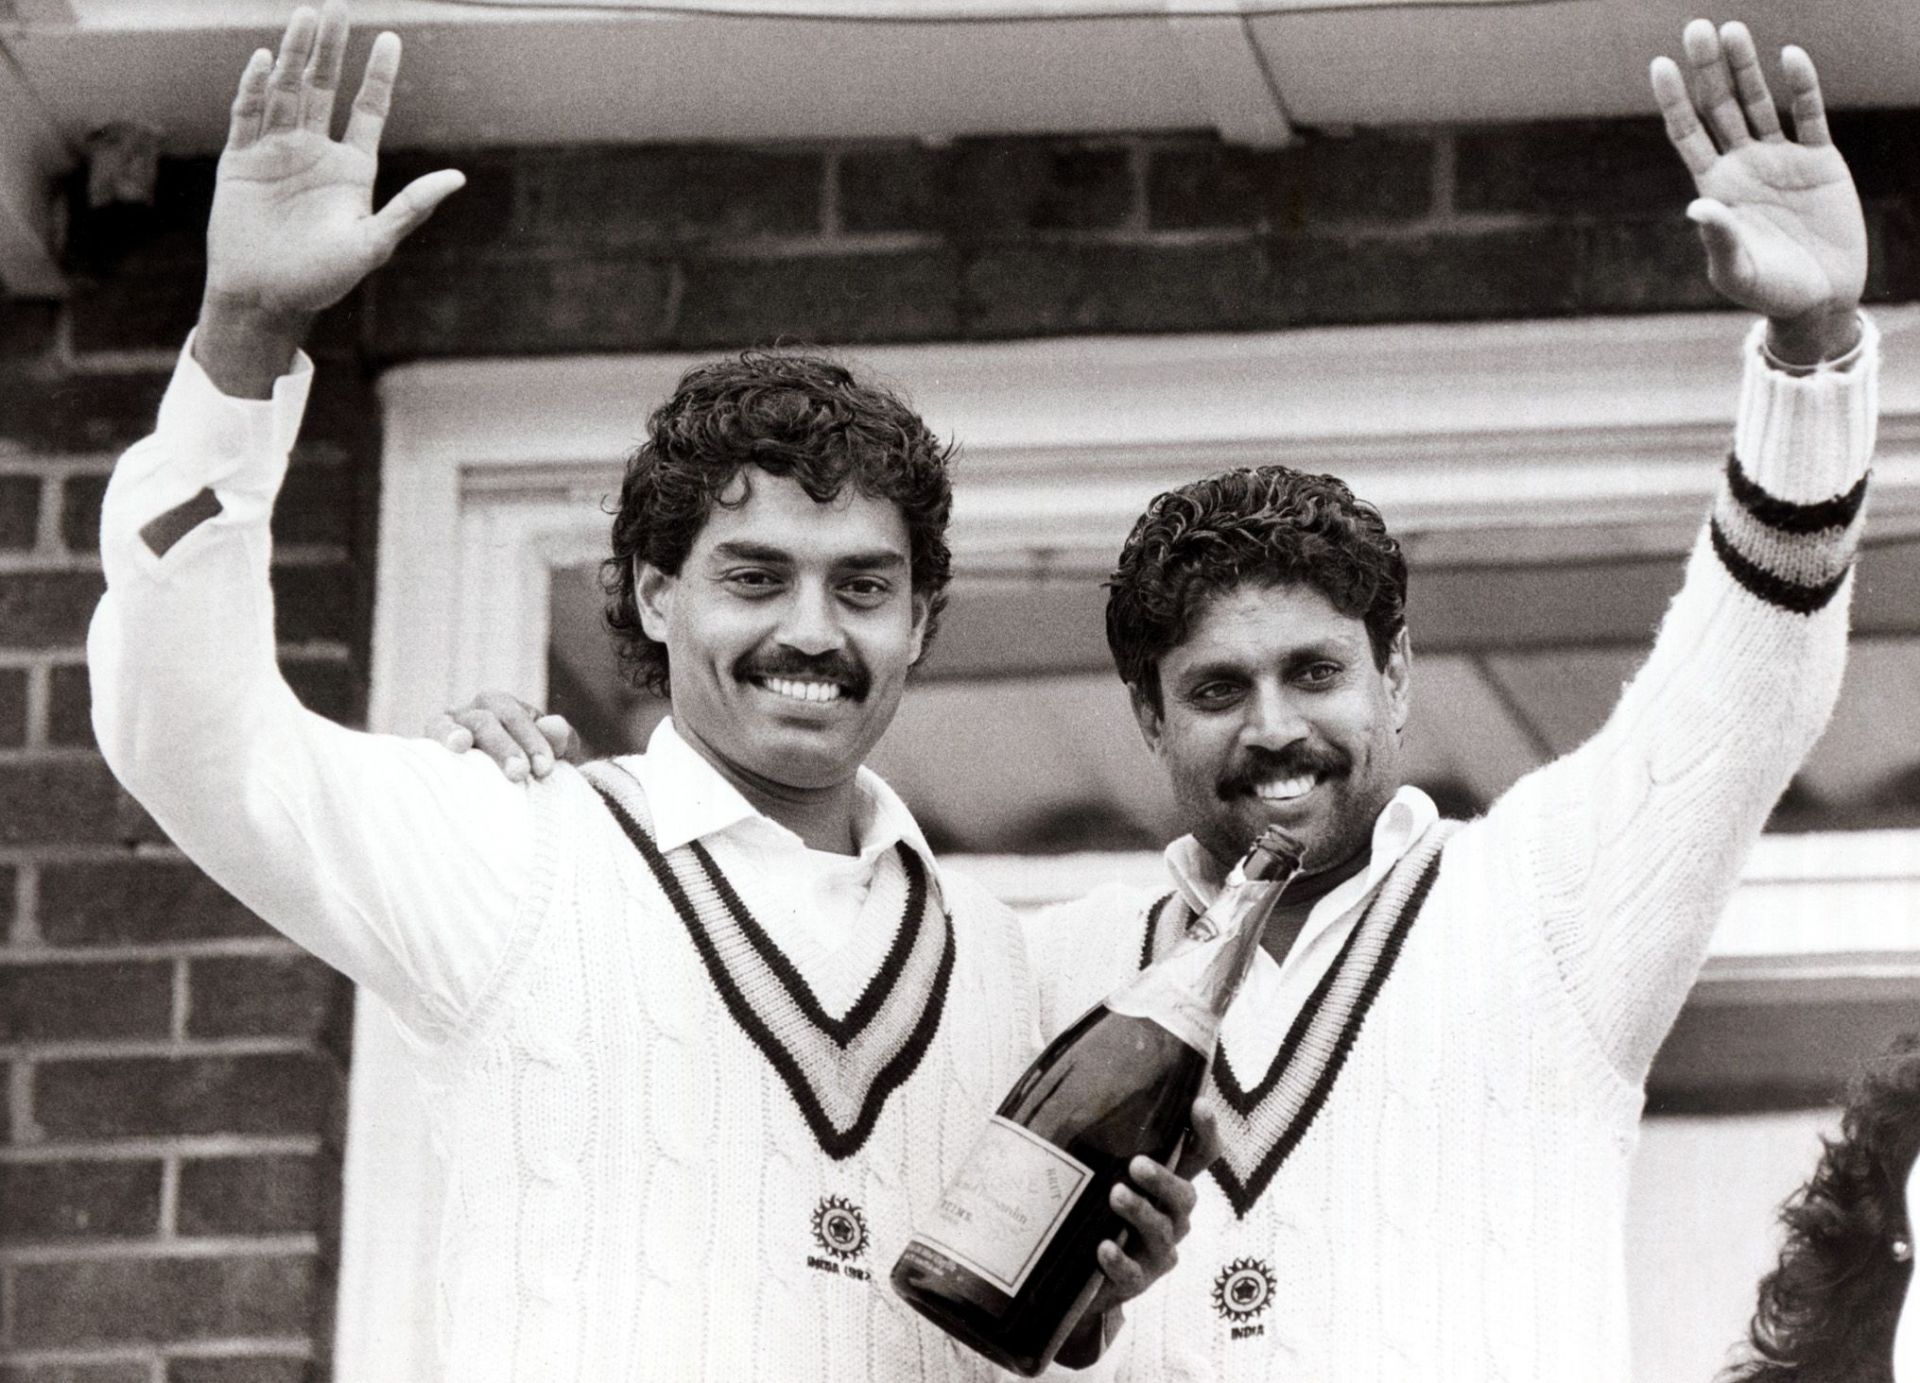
<point>1006,1263</point>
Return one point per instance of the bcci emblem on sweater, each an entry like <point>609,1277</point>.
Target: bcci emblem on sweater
<point>841,1231</point>
<point>1241,1292</point>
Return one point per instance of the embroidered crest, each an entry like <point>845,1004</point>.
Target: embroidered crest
<point>1243,1290</point>
<point>839,1071</point>
<point>839,1227</point>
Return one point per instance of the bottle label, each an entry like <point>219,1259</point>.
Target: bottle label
<point>1170,994</point>
<point>1004,1207</point>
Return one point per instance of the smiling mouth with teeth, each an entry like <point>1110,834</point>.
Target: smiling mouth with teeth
<point>798,689</point>
<point>1286,789</point>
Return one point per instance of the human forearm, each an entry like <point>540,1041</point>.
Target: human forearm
<point>1631,846</point>
<point>398,865</point>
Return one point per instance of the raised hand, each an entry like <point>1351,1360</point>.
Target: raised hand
<point>1780,218</point>
<point>293,227</point>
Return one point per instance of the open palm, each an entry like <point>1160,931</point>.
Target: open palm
<point>1779,216</point>
<point>293,227</point>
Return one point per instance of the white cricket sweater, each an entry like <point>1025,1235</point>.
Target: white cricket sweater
<point>663,1161</point>
<point>667,1162</point>
<point>1453,1211</point>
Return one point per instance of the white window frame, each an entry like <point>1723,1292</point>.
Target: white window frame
<point>1564,435</point>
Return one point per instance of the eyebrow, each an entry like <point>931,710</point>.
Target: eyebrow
<point>745,550</point>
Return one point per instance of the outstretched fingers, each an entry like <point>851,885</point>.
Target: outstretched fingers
<point>1809,110</point>
<point>286,87</point>
<point>1684,131</point>
<point>1713,84</point>
<point>322,76</point>
<point>250,101</point>
<point>370,107</point>
<point>1749,81</point>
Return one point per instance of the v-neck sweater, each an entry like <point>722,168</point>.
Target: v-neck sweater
<point>1455,1209</point>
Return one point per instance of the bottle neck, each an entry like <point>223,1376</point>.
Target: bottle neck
<point>1232,928</point>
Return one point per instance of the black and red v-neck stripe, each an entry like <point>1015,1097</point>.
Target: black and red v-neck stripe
<point>839,1071</point>
<point>1260,1127</point>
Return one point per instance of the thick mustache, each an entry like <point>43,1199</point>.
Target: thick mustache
<point>843,668</point>
<point>1263,766</point>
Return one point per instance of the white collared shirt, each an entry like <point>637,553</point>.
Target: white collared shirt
<point>808,901</point>
<point>1275,991</point>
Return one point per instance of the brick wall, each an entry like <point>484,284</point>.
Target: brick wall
<point>170,1072</point>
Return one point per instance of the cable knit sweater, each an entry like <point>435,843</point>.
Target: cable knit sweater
<point>672,1151</point>
<point>1454,1209</point>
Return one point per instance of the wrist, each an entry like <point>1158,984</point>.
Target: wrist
<point>245,346</point>
<point>1813,338</point>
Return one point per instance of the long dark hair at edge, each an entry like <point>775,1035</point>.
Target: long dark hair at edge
<point>1827,1311</point>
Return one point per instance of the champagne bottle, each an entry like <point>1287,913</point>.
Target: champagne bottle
<point>1006,1262</point>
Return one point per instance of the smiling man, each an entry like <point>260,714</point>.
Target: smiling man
<point>699,1032</point>
<point>1431,1083</point>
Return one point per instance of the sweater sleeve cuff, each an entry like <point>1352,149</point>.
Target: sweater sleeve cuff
<point>1805,438</point>
<point>238,446</point>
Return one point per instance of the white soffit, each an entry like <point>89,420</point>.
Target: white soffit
<point>1606,424</point>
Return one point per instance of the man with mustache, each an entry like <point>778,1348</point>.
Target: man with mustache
<point>701,1032</point>
<point>1433,1078</point>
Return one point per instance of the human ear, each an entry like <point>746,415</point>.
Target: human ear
<point>1146,715</point>
<point>1398,674</point>
<point>653,596</point>
<point>922,607</point>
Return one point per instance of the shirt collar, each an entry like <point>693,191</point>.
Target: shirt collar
<point>689,800</point>
<point>1401,822</point>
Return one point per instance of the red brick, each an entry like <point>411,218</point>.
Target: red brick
<point>145,309</point>
<point>1882,149</point>
<point>126,237</point>
<point>255,1195</point>
<point>69,802</point>
<point>54,1202</point>
<point>1569,168</point>
<point>602,197</point>
<point>131,1371</point>
<point>47,609</point>
<point>160,1300</point>
<point>80,512</point>
<point>326,687</point>
<point>66,1001</point>
<point>69,721</point>
<point>1331,280</point>
<point>137,903</point>
<point>907,296</point>
<point>1893,253</point>
<point>1028,290</point>
<point>19,511</point>
<point>986,187</point>
<point>161,1096</point>
<point>251,1368</point>
<point>80,412</point>
<point>13,707</point>
<point>1648,266</point>
<point>262,996</point>
<point>1372,176</point>
<point>480,214</point>
<point>314,602</point>
<point>432,307</point>
<point>27,330</point>
<point>316,504</point>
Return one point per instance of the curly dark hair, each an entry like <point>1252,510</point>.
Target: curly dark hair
<point>1827,1312</point>
<point>1255,524</point>
<point>789,414</point>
